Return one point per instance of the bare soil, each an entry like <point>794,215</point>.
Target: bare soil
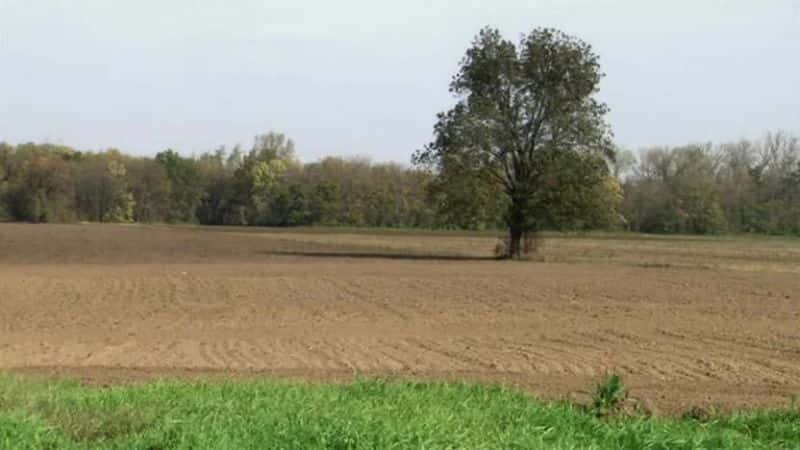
<point>686,323</point>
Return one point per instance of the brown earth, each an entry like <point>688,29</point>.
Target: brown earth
<point>686,322</point>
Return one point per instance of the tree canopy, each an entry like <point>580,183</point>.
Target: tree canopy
<point>745,186</point>
<point>527,126</point>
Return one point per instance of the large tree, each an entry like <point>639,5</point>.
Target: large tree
<point>528,123</point>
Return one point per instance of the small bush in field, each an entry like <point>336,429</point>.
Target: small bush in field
<point>608,396</point>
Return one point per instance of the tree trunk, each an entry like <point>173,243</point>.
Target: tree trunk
<point>516,226</point>
<point>515,243</point>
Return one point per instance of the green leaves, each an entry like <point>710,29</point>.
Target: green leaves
<point>608,395</point>
<point>521,109</point>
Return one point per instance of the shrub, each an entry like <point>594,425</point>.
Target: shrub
<point>608,396</point>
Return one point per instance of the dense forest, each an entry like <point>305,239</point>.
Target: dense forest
<point>745,186</point>
<point>263,185</point>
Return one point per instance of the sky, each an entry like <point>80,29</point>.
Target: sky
<point>367,77</point>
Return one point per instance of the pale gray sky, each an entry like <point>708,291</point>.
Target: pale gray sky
<point>366,76</point>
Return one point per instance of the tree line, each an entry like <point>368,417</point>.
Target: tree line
<point>750,186</point>
<point>265,185</point>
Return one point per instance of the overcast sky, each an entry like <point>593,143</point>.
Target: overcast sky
<point>367,77</point>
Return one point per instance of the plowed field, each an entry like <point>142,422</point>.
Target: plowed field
<point>685,321</point>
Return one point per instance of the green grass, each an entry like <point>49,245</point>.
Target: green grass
<point>362,415</point>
